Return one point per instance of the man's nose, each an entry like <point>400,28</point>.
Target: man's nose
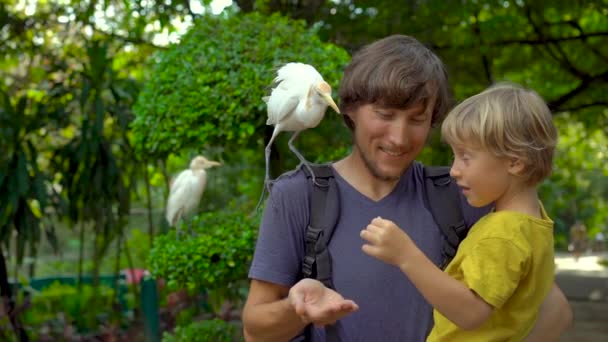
<point>398,133</point>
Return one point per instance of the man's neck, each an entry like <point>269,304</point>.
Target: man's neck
<point>354,170</point>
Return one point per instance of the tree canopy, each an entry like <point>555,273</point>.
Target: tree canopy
<point>207,90</point>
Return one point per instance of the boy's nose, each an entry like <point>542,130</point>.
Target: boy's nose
<point>454,171</point>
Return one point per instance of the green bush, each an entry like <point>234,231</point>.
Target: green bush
<point>214,258</point>
<point>204,331</point>
<point>59,305</point>
<point>206,90</point>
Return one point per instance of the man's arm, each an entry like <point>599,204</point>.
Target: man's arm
<point>268,315</point>
<point>554,318</point>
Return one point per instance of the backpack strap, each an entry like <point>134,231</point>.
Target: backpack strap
<point>324,214</point>
<point>443,200</point>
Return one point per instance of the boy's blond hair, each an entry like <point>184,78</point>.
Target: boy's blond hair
<point>510,122</point>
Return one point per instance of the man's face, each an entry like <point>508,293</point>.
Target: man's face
<point>387,139</point>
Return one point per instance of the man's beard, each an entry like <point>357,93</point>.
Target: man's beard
<point>376,173</point>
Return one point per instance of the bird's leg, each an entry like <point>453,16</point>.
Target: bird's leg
<point>177,222</point>
<point>190,228</point>
<point>300,156</point>
<point>267,176</point>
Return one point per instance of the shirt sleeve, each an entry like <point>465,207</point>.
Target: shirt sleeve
<point>494,268</point>
<point>280,245</point>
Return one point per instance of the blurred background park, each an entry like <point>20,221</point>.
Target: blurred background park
<point>102,103</point>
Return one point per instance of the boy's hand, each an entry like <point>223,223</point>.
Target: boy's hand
<point>386,241</point>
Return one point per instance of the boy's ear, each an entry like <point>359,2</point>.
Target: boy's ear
<point>516,166</point>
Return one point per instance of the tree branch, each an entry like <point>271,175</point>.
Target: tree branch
<point>550,40</point>
<point>124,39</point>
<point>543,41</point>
<point>583,106</point>
<point>585,83</point>
<point>485,61</point>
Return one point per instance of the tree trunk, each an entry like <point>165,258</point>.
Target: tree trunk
<point>117,267</point>
<point>149,204</point>
<point>80,255</point>
<point>245,6</point>
<point>8,300</point>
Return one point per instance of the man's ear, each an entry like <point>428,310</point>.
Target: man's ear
<point>516,166</point>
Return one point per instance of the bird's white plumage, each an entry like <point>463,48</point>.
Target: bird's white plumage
<point>185,194</point>
<point>186,190</point>
<point>293,103</point>
<point>298,102</point>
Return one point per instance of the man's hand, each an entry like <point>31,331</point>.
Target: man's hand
<point>386,241</point>
<point>317,304</point>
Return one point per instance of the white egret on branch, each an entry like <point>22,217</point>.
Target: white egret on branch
<point>298,102</point>
<point>186,190</point>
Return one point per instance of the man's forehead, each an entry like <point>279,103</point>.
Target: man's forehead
<point>416,108</point>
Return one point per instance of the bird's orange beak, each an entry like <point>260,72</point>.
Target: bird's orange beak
<point>330,102</point>
<point>213,163</point>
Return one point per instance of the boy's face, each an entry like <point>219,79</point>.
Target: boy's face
<point>388,140</point>
<point>482,177</point>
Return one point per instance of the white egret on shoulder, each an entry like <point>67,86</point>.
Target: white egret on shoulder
<point>298,102</point>
<point>186,190</point>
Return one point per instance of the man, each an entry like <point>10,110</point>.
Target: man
<point>391,94</point>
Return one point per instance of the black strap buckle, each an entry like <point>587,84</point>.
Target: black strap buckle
<point>307,265</point>
<point>460,228</point>
<point>313,235</point>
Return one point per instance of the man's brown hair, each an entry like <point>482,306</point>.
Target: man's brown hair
<point>395,72</point>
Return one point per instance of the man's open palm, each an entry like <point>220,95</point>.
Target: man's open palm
<point>318,304</point>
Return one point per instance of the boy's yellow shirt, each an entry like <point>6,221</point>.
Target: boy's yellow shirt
<point>508,260</point>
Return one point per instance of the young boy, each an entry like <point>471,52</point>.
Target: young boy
<point>503,141</point>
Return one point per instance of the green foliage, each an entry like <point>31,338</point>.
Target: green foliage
<point>139,249</point>
<point>206,90</point>
<point>216,257</point>
<point>577,190</point>
<point>60,304</point>
<point>23,194</point>
<point>212,330</point>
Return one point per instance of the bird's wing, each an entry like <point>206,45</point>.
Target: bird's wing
<point>293,84</point>
<point>280,107</point>
<point>184,196</point>
<point>180,180</point>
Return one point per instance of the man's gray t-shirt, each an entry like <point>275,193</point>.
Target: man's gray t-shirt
<point>390,307</point>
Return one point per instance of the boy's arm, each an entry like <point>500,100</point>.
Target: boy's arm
<point>554,318</point>
<point>451,298</point>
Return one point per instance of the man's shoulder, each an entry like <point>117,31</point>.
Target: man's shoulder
<point>294,183</point>
<point>471,214</point>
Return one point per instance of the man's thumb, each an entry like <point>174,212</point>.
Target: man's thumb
<point>297,301</point>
